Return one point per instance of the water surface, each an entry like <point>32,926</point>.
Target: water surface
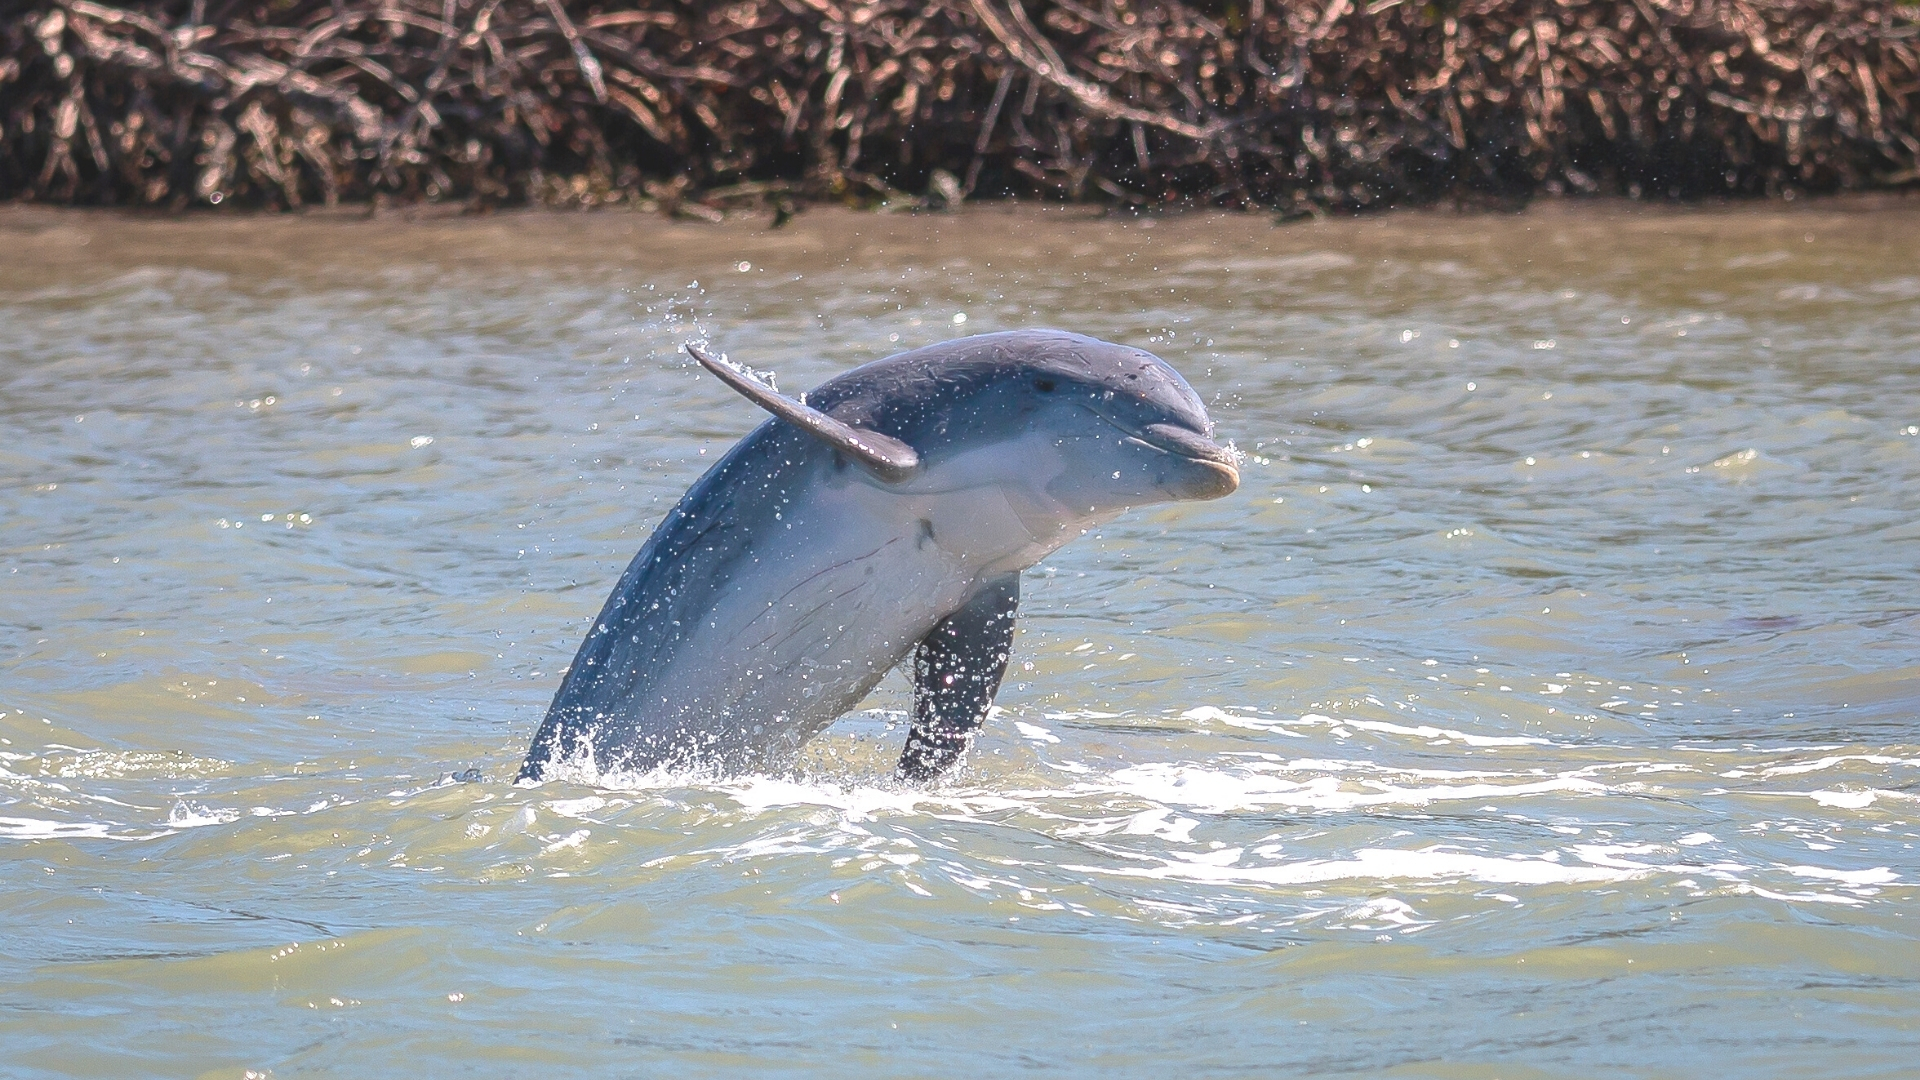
<point>1543,705</point>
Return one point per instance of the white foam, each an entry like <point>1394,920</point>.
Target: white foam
<point>1879,875</point>
<point>1830,762</point>
<point>1156,822</point>
<point>1378,864</point>
<point>1423,731</point>
<point>575,808</point>
<point>574,839</point>
<point>579,767</point>
<point>761,793</point>
<point>1843,800</point>
<point>1383,911</point>
<point>185,815</point>
<point>1800,897</point>
<point>1214,714</point>
<point>863,802</point>
<point>1151,820</point>
<point>1253,786</point>
<point>13,828</point>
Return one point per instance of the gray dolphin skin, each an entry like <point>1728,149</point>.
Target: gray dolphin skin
<point>885,513</point>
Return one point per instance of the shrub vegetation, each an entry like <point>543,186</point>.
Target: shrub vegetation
<point>1303,106</point>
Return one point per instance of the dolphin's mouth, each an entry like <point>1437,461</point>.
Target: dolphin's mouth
<point>1187,444</point>
<point>1222,462</point>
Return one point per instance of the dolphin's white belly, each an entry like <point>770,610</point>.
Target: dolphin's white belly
<point>852,580</point>
<point>777,611</point>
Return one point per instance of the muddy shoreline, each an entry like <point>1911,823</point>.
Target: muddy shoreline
<point>22,218</point>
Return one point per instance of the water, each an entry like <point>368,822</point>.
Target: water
<point>1543,705</point>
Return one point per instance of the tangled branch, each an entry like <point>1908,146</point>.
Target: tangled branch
<point>1299,104</point>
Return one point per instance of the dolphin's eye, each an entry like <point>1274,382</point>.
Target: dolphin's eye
<point>1045,386</point>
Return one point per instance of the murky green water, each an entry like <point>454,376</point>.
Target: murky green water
<point>1545,703</point>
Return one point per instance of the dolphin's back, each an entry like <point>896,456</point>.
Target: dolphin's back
<point>655,610</point>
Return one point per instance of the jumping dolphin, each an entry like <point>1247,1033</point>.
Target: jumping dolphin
<point>888,511</point>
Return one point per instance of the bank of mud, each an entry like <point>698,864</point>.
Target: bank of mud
<point>1304,106</point>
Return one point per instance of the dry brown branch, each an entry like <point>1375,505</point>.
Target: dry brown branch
<point>1297,104</point>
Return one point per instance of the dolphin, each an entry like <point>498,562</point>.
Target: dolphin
<point>887,512</point>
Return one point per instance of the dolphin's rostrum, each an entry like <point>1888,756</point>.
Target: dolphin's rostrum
<point>887,512</point>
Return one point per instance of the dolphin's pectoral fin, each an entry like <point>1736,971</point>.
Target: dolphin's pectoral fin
<point>885,456</point>
<point>956,671</point>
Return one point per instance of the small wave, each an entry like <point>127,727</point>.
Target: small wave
<point>1254,786</point>
<point>863,802</point>
<point>185,815</point>
<point>1831,760</point>
<point>13,828</point>
<point>1372,864</point>
<point>1214,714</point>
<point>1878,875</point>
<point>1855,800</point>
<point>1599,864</point>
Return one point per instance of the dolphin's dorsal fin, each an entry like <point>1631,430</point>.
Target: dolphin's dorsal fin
<point>883,455</point>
